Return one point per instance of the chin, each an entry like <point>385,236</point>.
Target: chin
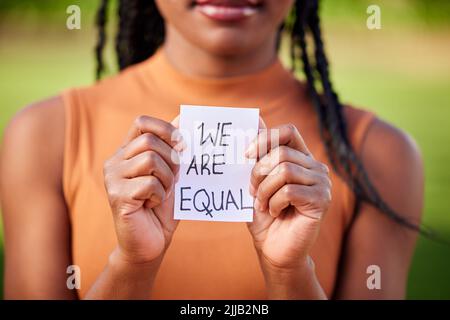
<point>228,42</point>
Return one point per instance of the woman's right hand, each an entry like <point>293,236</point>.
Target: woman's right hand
<point>139,180</point>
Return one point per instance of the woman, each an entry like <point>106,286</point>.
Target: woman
<point>59,154</point>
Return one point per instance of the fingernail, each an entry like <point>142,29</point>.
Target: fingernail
<point>251,150</point>
<point>252,190</point>
<point>176,136</point>
<point>180,146</point>
<point>174,157</point>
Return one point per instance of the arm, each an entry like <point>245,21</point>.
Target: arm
<point>291,201</point>
<point>139,180</point>
<point>394,165</point>
<point>293,192</point>
<point>36,223</point>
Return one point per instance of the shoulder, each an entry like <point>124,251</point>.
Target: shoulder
<point>373,136</point>
<point>34,138</point>
<point>384,142</point>
<point>394,163</point>
<point>43,119</point>
<point>386,148</point>
<point>391,158</point>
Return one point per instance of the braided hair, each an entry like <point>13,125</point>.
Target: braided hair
<point>141,32</point>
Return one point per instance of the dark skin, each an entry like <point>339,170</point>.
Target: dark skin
<point>37,231</point>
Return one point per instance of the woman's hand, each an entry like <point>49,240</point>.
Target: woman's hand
<point>139,180</point>
<point>292,193</point>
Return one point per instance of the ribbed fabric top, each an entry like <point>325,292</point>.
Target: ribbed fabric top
<point>206,260</point>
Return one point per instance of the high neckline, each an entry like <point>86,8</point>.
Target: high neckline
<point>263,89</point>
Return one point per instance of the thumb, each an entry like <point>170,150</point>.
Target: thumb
<point>262,124</point>
<point>180,144</point>
<point>176,122</point>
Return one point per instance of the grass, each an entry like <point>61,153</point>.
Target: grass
<point>404,77</point>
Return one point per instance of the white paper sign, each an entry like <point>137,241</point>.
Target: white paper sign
<point>214,176</point>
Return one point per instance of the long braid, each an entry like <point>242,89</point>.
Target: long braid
<point>331,118</point>
<point>101,20</point>
<point>298,43</point>
<point>334,124</point>
<point>141,32</point>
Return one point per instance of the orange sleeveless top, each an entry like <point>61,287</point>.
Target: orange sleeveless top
<point>206,260</point>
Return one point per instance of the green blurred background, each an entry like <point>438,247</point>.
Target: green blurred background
<point>402,72</point>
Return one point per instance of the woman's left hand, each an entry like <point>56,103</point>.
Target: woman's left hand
<point>292,193</point>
